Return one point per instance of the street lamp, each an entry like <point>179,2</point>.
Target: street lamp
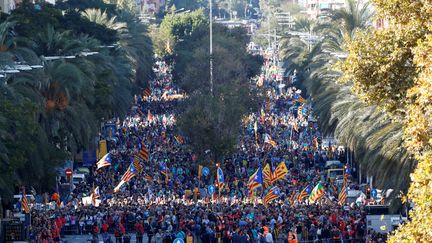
<point>86,53</point>
<point>179,10</point>
<point>36,66</point>
<point>10,71</point>
<point>211,47</point>
<point>23,67</point>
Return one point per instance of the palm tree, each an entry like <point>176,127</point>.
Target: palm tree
<point>6,42</point>
<point>101,17</point>
<point>374,138</point>
<point>355,16</point>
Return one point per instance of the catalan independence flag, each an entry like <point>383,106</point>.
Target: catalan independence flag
<point>127,176</point>
<point>272,194</point>
<point>138,164</point>
<point>269,140</point>
<point>179,139</point>
<point>293,198</point>
<point>220,180</point>
<point>95,195</point>
<point>24,202</point>
<point>147,92</point>
<point>148,177</point>
<point>304,193</point>
<point>316,193</point>
<point>301,99</point>
<point>104,161</point>
<point>164,171</point>
<point>143,153</point>
<point>255,180</point>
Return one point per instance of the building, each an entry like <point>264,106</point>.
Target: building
<point>321,8</point>
<point>150,6</point>
<point>7,5</point>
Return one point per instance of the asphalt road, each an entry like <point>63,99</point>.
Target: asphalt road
<point>87,238</point>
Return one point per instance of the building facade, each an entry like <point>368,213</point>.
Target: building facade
<point>151,6</point>
<point>321,8</point>
<point>7,5</point>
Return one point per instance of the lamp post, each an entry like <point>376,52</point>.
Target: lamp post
<point>211,47</point>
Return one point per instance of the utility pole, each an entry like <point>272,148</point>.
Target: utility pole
<point>211,48</point>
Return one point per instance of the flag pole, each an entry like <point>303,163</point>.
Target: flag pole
<point>218,184</point>
<point>211,47</point>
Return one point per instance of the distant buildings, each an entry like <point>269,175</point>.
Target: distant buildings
<point>6,6</point>
<point>150,6</point>
<point>320,8</point>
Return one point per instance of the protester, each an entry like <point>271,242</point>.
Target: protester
<point>169,200</point>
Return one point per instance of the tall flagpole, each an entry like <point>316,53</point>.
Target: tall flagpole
<point>211,48</point>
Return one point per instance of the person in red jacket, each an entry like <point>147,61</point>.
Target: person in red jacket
<point>55,233</point>
<point>119,232</point>
<point>95,232</point>
<point>139,229</point>
<point>105,227</point>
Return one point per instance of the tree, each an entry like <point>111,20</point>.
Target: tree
<point>211,120</point>
<point>51,114</point>
<point>376,140</point>
<point>186,4</point>
<point>176,27</point>
<point>393,71</point>
<point>355,16</point>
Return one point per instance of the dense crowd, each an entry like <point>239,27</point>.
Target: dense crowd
<point>161,207</point>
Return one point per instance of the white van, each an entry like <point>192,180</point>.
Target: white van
<point>77,178</point>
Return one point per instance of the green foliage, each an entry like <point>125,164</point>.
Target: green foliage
<point>356,15</point>
<point>186,4</point>
<point>31,21</point>
<point>27,158</point>
<point>376,140</point>
<point>381,67</point>
<point>87,4</point>
<point>51,114</point>
<point>212,120</point>
<point>75,22</point>
<point>176,27</point>
<point>390,68</point>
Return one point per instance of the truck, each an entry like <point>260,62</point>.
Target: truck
<point>378,219</point>
<point>334,169</point>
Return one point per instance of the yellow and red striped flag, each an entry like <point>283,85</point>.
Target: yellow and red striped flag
<point>280,172</point>
<point>255,180</point>
<point>343,193</point>
<point>272,194</point>
<point>268,175</point>
<point>147,92</point>
<point>143,153</point>
<point>24,202</point>
<point>304,193</point>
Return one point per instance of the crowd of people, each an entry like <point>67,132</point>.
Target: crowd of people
<point>160,205</point>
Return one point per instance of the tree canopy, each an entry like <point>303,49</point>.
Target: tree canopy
<point>391,67</point>
<point>52,114</point>
<point>376,139</point>
<point>212,120</point>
